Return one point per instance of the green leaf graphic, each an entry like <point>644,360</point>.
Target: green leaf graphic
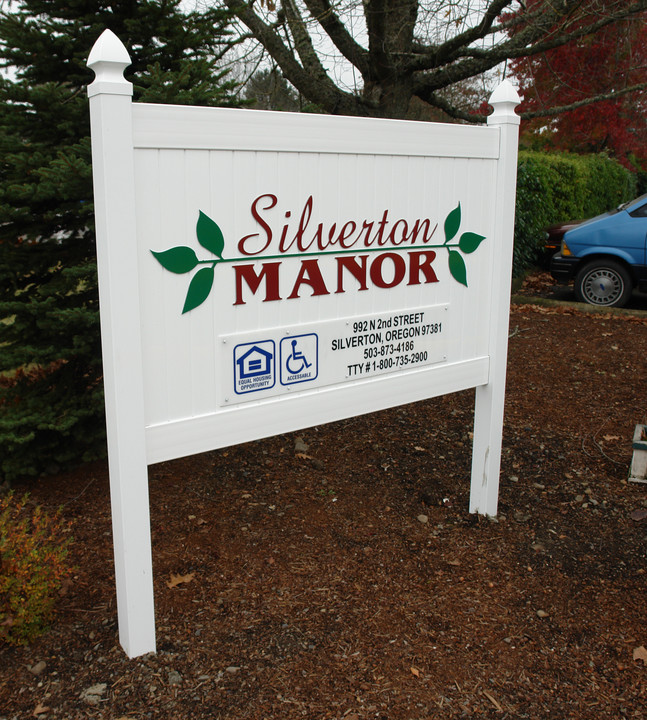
<point>452,223</point>
<point>457,267</point>
<point>199,288</point>
<point>469,242</point>
<point>209,235</point>
<point>178,259</point>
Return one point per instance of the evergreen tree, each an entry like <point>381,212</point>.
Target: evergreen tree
<point>51,393</point>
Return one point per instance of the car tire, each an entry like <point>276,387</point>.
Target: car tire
<point>605,283</point>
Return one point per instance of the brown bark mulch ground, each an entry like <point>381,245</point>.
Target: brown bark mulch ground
<point>336,573</point>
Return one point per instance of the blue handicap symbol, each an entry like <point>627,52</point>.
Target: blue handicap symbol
<point>296,361</point>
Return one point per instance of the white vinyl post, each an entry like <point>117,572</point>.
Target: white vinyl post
<point>490,398</point>
<point>114,196</point>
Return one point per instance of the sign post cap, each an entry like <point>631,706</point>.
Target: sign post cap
<point>108,59</point>
<point>504,100</point>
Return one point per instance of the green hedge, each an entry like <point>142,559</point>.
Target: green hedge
<point>557,188</point>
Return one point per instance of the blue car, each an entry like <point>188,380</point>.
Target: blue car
<point>606,256</point>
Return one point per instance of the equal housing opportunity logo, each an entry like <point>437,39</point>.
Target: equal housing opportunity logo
<point>378,253</point>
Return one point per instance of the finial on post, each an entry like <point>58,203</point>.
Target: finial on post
<point>504,100</point>
<point>108,59</point>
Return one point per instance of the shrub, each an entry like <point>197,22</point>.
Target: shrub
<point>641,176</point>
<point>33,564</point>
<point>554,188</point>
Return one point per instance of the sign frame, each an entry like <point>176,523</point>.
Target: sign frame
<point>118,127</point>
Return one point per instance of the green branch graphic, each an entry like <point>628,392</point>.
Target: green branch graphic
<point>467,244</point>
<point>181,260</point>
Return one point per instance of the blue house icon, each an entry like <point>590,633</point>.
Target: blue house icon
<point>254,362</point>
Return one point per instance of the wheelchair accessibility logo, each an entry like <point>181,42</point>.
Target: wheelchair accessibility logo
<point>299,359</point>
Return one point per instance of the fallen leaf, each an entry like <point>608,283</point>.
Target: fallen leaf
<point>40,709</point>
<point>179,580</point>
<point>66,584</point>
<point>611,437</point>
<point>639,514</point>
<point>640,654</point>
<point>415,671</point>
<point>455,563</point>
<point>303,456</point>
<point>420,449</point>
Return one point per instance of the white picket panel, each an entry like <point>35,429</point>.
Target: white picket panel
<point>195,128</point>
<point>181,352</point>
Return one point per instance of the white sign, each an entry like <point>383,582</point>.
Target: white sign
<point>263,272</point>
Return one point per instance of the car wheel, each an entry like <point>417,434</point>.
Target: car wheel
<point>603,282</point>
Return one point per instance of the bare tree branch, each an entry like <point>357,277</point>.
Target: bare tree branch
<point>323,11</point>
<point>472,61</point>
<point>303,42</point>
<point>551,112</point>
<point>319,89</point>
<point>436,100</point>
<point>437,56</point>
<point>532,43</point>
<point>418,48</point>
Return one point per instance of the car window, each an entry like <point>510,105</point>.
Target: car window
<point>639,212</point>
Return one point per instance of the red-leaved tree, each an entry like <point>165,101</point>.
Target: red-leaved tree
<point>599,77</point>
